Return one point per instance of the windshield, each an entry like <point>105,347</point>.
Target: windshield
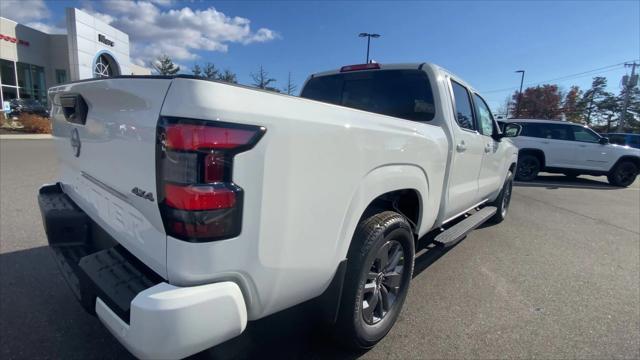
<point>400,93</point>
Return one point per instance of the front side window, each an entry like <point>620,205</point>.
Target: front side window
<point>404,94</point>
<point>584,134</point>
<point>485,119</point>
<point>463,110</point>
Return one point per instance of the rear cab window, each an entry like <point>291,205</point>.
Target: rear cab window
<point>403,94</point>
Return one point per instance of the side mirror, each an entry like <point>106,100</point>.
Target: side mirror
<point>603,140</point>
<point>511,130</point>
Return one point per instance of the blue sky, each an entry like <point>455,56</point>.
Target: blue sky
<point>483,42</point>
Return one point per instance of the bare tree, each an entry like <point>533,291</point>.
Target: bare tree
<point>228,76</point>
<point>290,88</point>
<point>262,80</point>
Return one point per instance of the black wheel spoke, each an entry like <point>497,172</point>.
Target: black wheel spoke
<point>392,280</point>
<point>395,258</point>
<point>383,295</point>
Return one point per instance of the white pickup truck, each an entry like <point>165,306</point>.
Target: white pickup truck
<point>185,207</point>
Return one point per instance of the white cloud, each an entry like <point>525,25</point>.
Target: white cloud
<point>47,28</point>
<point>178,33</point>
<point>24,10</point>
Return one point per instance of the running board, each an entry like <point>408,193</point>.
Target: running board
<point>454,234</point>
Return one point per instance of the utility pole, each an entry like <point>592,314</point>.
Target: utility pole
<point>519,93</point>
<point>631,83</point>
<point>368,36</point>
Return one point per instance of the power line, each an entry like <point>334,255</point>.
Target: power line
<point>567,77</point>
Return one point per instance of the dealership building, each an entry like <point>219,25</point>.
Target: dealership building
<point>32,61</point>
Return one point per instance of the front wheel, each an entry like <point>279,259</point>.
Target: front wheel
<point>624,174</point>
<point>503,200</point>
<point>379,269</point>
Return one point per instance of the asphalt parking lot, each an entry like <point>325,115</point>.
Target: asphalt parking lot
<point>560,278</point>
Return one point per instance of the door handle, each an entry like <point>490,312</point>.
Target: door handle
<point>461,147</point>
<point>487,148</point>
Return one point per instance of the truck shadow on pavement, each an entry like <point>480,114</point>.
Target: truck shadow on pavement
<point>41,318</point>
<point>553,182</point>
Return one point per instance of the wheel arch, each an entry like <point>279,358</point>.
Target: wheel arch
<point>634,159</point>
<point>400,188</point>
<point>535,152</point>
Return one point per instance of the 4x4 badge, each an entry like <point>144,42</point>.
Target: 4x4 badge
<point>143,194</point>
<point>75,142</point>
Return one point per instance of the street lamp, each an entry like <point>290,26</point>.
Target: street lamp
<point>519,93</point>
<point>368,36</point>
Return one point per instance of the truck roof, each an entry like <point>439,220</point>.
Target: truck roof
<point>399,66</point>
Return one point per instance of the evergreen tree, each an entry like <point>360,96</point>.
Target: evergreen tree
<point>592,98</point>
<point>210,72</point>
<point>163,65</point>
<point>197,71</point>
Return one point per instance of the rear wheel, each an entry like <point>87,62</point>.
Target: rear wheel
<point>379,269</point>
<point>528,167</point>
<point>624,174</point>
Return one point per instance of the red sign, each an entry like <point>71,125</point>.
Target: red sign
<point>14,40</point>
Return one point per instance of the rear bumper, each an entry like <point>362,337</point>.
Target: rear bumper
<point>169,322</point>
<point>150,317</point>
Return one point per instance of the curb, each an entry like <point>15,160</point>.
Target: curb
<point>25,137</point>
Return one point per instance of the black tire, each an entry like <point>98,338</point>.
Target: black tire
<point>528,167</point>
<point>624,174</point>
<point>363,319</point>
<point>503,200</point>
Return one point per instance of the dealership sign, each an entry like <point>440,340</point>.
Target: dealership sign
<point>103,39</point>
<point>11,39</point>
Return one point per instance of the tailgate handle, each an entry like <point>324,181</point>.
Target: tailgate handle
<point>74,108</point>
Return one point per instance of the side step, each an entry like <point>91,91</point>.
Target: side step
<point>452,235</point>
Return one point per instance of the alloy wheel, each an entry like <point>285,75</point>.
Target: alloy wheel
<point>383,283</point>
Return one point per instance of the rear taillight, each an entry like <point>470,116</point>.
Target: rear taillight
<point>198,200</point>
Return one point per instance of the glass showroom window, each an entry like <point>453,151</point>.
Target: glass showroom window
<point>61,76</point>
<point>8,80</point>
<point>31,82</point>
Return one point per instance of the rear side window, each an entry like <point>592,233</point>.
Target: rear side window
<point>404,94</point>
<point>464,113</point>
<point>556,132</point>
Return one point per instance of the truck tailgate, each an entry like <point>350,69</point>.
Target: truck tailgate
<point>107,162</point>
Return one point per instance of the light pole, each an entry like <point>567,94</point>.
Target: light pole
<point>519,93</point>
<point>369,36</point>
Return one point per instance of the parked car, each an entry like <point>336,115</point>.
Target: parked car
<point>572,149</point>
<point>631,140</point>
<point>216,204</point>
<point>27,106</point>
